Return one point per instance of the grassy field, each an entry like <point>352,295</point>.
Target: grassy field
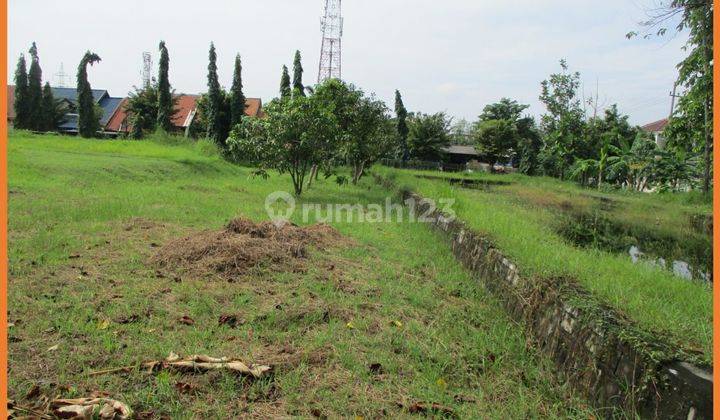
<point>523,216</point>
<point>367,329</point>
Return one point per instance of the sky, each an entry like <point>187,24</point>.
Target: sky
<point>454,56</point>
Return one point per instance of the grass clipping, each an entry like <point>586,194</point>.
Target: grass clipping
<point>243,245</point>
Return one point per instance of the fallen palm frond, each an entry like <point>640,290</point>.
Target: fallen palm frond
<point>195,363</point>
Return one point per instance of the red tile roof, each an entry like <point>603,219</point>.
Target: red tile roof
<point>655,126</point>
<point>117,121</point>
<point>253,107</point>
<point>185,105</point>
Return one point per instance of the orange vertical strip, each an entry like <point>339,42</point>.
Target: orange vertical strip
<point>716,212</point>
<point>3,216</point>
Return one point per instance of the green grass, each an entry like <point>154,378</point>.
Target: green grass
<point>85,216</point>
<point>521,218</point>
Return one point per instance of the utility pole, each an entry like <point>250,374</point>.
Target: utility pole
<point>672,100</point>
<point>330,49</point>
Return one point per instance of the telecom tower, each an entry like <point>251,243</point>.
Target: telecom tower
<point>61,78</point>
<point>146,69</point>
<point>330,52</point>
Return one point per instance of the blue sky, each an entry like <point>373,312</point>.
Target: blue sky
<point>452,55</point>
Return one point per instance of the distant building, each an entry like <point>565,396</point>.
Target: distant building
<point>114,120</point>
<point>68,96</point>
<point>185,112</point>
<point>656,129</point>
<point>460,155</point>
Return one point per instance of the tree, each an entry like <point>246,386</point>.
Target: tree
<point>529,145</point>
<point>53,111</point>
<point>370,136</point>
<point>495,139</point>
<point>165,109</point>
<point>88,119</point>
<point>401,126</point>
<point>563,123</point>
<point>298,88</point>
<point>216,128</point>
<point>496,133</point>
<point>35,90</point>
<point>506,109</point>
<point>22,101</point>
<point>289,139</point>
<point>695,74</point>
<point>237,98</point>
<point>142,108</point>
<point>427,135</point>
<point>285,91</point>
<point>365,131</point>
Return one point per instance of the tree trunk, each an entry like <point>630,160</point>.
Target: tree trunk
<point>708,134</point>
<point>313,173</point>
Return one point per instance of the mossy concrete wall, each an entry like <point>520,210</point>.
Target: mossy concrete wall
<point>604,355</point>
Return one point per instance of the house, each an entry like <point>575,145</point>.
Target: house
<point>114,120</point>
<point>185,112</point>
<point>460,155</point>
<point>68,96</point>
<point>656,129</point>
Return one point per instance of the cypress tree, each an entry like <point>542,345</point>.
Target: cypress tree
<point>22,108</point>
<point>237,98</point>
<point>49,110</point>
<point>298,88</point>
<point>402,128</point>
<point>285,83</point>
<point>88,121</point>
<point>165,105</point>
<point>35,91</point>
<point>215,99</point>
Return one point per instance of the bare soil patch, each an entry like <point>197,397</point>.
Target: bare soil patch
<point>243,245</point>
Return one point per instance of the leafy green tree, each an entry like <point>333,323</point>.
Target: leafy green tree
<point>365,131</point>
<point>496,134</point>
<point>495,139</point>
<point>53,111</point>
<point>142,109</point>
<point>35,90</point>
<point>290,139</point>
<point>428,135</point>
<point>402,127</point>
<point>22,101</point>
<point>165,109</point>
<point>341,100</point>
<point>563,124</point>
<point>285,91</point>
<point>88,118</point>
<point>691,125</point>
<point>505,109</point>
<point>298,88</point>
<point>237,98</point>
<point>529,145</point>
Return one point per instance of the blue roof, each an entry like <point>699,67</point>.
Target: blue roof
<point>108,104</point>
<point>71,93</point>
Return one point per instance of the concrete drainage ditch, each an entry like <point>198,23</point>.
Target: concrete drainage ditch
<point>604,355</point>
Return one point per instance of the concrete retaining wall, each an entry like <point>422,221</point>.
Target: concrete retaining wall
<point>601,353</point>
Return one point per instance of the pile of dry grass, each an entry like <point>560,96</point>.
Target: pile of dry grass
<point>243,245</point>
